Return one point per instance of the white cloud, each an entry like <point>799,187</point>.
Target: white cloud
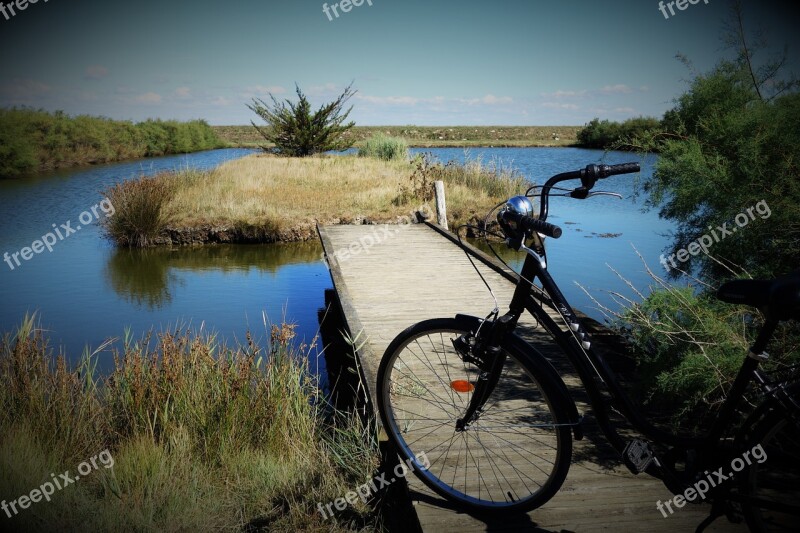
<point>558,105</point>
<point>23,91</point>
<point>619,88</point>
<point>318,90</point>
<point>95,72</point>
<point>564,94</point>
<point>220,101</point>
<point>489,99</point>
<point>262,90</point>
<point>388,100</point>
<point>615,89</point>
<point>183,92</point>
<point>148,98</point>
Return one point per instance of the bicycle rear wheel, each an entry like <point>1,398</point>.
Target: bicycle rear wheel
<point>771,484</point>
<point>515,456</point>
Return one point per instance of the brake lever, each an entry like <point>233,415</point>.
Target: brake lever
<point>605,193</point>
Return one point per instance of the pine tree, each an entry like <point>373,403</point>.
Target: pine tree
<point>297,132</point>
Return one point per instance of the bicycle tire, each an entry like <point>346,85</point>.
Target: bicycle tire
<point>528,406</point>
<point>776,478</point>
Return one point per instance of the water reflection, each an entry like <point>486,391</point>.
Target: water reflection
<point>147,278</point>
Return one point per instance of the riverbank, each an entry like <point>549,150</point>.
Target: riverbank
<point>34,141</point>
<point>184,434</point>
<point>434,136</point>
<point>265,198</point>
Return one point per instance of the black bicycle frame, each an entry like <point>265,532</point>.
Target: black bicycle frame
<point>590,364</point>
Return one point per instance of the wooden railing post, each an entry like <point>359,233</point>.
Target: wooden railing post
<point>441,205</point>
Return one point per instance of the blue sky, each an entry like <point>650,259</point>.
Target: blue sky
<point>509,62</point>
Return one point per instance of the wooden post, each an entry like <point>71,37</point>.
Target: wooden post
<point>441,205</point>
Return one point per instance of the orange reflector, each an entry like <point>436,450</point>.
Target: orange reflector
<point>462,385</point>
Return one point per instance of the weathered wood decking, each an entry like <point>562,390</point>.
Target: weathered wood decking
<point>387,278</point>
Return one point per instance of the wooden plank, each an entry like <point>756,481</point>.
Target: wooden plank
<point>367,360</point>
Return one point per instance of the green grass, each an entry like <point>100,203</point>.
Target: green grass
<point>434,136</point>
<point>202,437</point>
<point>38,141</point>
<point>381,146</point>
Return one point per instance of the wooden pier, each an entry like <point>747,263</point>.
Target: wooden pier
<point>388,277</point>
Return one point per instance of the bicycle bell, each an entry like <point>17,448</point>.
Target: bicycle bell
<point>517,204</point>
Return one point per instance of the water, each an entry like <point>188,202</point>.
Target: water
<point>603,237</point>
<point>86,291</point>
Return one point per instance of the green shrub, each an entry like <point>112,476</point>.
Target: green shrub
<point>689,347</point>
<point>36,140</point>
<point>296,131</point>
<point>381,146</point>
<point>605,134</point>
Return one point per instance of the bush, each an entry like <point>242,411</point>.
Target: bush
<point>605,134</point>
<point>730,144</point>
<point>36,141</point>
<point>690,346</point>
<point>493,179</point>
<point>729,150</point>
<point>383,147</point>
<point>297,132</point>
<point>139,210</point>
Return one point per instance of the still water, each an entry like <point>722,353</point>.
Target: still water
<point>86,290</point>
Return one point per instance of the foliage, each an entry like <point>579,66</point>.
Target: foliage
<point>202,436</point>
<point>605,134</point>
<point>381,146</point>
<point>36,140</point>
<point>690,346</point>
<point>724,149</point>
<point>730,144</point>
<point>297,132</point>
<point>140,210</point>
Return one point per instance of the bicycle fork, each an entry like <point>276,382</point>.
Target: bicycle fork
<point>489,358</point>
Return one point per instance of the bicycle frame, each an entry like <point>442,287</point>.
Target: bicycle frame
<point>590,364</point>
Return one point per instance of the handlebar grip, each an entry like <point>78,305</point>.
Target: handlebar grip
<point>540,226</point>
<point>612,170</point>
<point>529,224</point>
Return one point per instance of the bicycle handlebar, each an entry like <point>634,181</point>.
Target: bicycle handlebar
<point>588,177</point>
<point>518,214</point>
<point>527,224</point>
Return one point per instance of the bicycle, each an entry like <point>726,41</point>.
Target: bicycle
<point>469,392</point>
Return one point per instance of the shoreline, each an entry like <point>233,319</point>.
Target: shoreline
<point>453,144</point>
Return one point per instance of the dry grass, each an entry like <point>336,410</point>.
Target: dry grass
<point>278,194</point>
<point>203,437</point>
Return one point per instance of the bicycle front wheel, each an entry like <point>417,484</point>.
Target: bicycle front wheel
<point>515,456</point>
